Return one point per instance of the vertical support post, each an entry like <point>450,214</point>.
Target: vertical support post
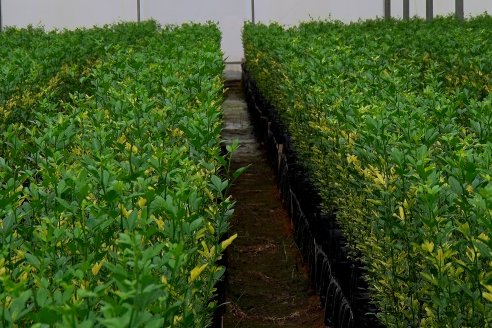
<point>406,9</point>
<point>429,10</point>
<point>1,22</point>
<point>253,11</point>
<point>460,10</point>
<point>138,11</point>
<point>387,9</point>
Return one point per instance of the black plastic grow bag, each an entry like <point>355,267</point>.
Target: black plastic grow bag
<point>338,280</point>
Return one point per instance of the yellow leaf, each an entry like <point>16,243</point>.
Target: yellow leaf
<point>132,148</point>
<point>200,233</point>
<point>177,320</point>
<point>487,296</point>
<point>483,237</point>
<point>24,277</point>
<point>228,241</point>
<point>122,139</point>
<point>196,272</point>
<point>471,254</point>
<point>177,132</point>
<point>124,211</point>
<point>141,202</point>
<point>379,180</point>
<point>429,312</point>
<point>401,213</point>
<point>205,247</point>
<point>375,201</point>
<point>20,253</point>
<point>428,246</point>
<point>97,267</point>
<point>210,228</point>
<point>351,159</point>
<point>160,223</point>
<point>440,256</point>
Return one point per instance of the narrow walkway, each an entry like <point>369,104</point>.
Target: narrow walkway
<point>267,284</point>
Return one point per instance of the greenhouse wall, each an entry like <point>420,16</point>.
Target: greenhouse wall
<point>229,13</point>
<point>66,13</point>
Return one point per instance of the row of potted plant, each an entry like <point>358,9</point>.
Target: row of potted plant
<point>114,201</point>
<point>392,121</point>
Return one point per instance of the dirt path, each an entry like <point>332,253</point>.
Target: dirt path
<point>267,284</point>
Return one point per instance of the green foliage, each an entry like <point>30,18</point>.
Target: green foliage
<point>392,120</point>
<point>111,202</point>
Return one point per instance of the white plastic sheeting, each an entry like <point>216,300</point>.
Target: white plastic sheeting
<point>354,10</point>
<point>67,13</point>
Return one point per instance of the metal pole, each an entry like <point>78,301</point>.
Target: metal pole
<point>138,11</point>
<point>1,23</point>
<point>429,10</point>
<point>460,10</point>
<point>253,11</point>
<point>387,9</point>
<point>406,9</point>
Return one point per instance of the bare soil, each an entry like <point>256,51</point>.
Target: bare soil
<point>267,284</point>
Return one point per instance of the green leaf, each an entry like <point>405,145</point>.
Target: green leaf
<point>33,260</point>
<point>84,293</point>
<point>239,172</point>
<point>485,250</point>
<point>18,308</point>
<point>455,185</point>
<point>65,204</point>
<point>196,224</point>
<point>46,316</point>
<point>42,297</point>
<point>217,184</point>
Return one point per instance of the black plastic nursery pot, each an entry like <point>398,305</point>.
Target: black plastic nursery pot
<point>338,280</point>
